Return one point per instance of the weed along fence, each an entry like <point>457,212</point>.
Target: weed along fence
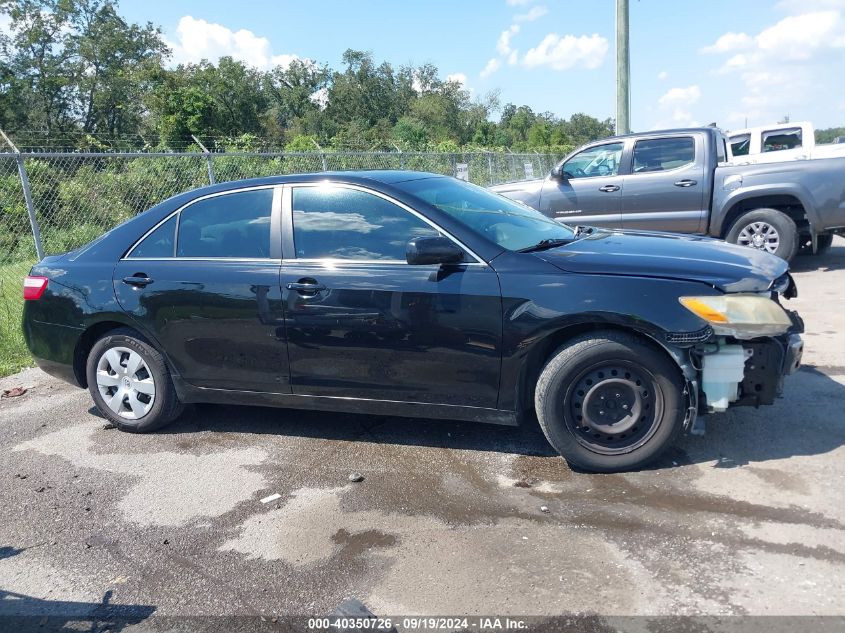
<point>53,202</point>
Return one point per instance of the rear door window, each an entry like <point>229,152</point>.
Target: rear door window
<point>663,154</point>
<point>741,144</point>
<point>233,225</point>
<point>777,140</point>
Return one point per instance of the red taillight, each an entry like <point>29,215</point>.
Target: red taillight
<point>34,287</point>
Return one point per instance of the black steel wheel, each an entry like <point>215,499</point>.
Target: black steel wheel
<point>614,407</point>
<point>610,401</point>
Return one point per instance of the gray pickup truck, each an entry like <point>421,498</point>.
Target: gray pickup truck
<point>682,181</point>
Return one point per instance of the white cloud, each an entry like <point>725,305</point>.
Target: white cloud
<point>730,42</point>
<point>533,14</point>
<point>562,53</point>
<point>458,78</point>
<point>797,37</point>
<point>518,3</point>
<point>662,75</point>
<point>787,67</point>
<point>676,103</point>
<point>681,96</point>
<point>5,24</point>
<point>197,39</point>
<point>492,66</point>
<point>503,45</point>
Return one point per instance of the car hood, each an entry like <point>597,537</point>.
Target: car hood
<point>728,267</point>
<point>519,185</point>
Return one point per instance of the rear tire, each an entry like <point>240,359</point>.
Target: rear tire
<point>768,230</point>
<point>609,402</point>
<point>130,382</point>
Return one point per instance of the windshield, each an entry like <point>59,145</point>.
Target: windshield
<point>509,224</point>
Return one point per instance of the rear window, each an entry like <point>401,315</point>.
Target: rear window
<point>663,154</point>
<point>778,140</point>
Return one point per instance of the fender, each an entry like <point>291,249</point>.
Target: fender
<point>725,201</point>
<point>574,304</point>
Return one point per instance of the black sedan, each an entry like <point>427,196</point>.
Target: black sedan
<point>413,294</point>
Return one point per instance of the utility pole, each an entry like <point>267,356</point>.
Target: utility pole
<point>623,69</point>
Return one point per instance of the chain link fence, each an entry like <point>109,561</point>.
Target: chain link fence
<point>52,202</point>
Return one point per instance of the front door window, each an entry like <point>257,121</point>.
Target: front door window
<point>602,160</point>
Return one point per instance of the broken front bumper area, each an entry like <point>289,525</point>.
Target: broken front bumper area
<point>740,373</point>
<point>725,371</point>
<point>766,364</point>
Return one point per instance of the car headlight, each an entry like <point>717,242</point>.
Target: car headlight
<point>742,316</point>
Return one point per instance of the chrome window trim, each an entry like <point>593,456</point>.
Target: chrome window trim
<point>262,260</point>
<point>287,223</point>
<point>194,201</point>
<point>335,262</point>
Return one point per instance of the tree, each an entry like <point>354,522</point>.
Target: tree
<point>114,62</point>
<point>363,92</point>
<point>827,135</point>
<point>40,61</point>
<point>77,68</point>
<point>411,133</point>
<point>207,100</point>
<point>295,90</point>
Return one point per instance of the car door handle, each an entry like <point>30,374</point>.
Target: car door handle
<point>306,287</point>
<point>686,183</point>
<point>138,279</point>
<point>609,188</point>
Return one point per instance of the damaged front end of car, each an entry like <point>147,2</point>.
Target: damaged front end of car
<point>740,358</point>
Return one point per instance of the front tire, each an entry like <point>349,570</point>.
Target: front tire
<point>609,402</point>
<point>768,230</point>
<point>130,382</point>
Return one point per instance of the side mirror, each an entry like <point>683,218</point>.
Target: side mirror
<point>433,250</point>
<point>558,173</point>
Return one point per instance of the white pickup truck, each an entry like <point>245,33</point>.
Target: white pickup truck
<point>779,143</point>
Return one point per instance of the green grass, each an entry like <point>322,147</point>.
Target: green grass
<point>14,355</point>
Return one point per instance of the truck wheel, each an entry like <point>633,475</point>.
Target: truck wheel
<point>768,230</point>
<point>608,402</point>
<point>130,382</point>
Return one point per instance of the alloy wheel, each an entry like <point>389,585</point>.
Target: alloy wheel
<point>125,383</point>
<point>760,235</point>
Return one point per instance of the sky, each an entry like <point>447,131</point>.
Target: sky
<point>692,61</point>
